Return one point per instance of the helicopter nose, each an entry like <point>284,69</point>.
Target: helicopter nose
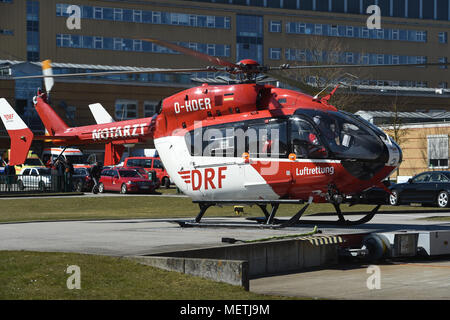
<point>394,152</point>
<point>389,156</point>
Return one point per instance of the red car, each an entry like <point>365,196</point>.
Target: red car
<point>150,163</point>
<point>124,180</point>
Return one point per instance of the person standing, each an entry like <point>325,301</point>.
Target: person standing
<point>95,175</point>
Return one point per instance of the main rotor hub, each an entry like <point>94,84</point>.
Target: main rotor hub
<point>249,66</point>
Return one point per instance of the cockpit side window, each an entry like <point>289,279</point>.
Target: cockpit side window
<point>305,142</point>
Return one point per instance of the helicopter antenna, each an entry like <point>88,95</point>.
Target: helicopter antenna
<point>340,82</point>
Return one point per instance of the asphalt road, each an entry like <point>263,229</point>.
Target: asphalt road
<point>140,236</point>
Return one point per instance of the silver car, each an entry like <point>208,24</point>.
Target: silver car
<point>35,178</point>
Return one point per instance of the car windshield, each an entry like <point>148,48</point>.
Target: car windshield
<point>80,171</point>
<point>157,164</point>
<point>33,162</point>
<point>145,163</point>
<point>75,159</point>
<point>129,174</point>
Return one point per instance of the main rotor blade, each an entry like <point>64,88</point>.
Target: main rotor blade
<point>193,53</point>
<point>106,73</point>
<point>345,66</point>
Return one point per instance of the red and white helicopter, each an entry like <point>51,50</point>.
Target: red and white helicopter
<point>240,143</point>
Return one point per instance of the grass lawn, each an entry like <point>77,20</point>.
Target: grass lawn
<point>129,206</point>
<point>38,275</point>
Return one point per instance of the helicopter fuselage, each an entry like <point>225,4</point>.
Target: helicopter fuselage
<point>250,141</point>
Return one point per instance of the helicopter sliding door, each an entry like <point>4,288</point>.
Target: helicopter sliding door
<point>216,161</point>
<point>267,145</point>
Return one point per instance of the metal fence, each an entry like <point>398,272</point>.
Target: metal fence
<point>36,183</point>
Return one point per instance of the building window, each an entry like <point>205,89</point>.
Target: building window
<point>126,109</point>
<point>137,16</point>
<point>349,58</point>
<point>137,45</point>
<point>118,14</point>
<point>318,29</point>
<point>275,26</point>
<point>438,151</point>
<point>349,31</point>
<point>421,36</point>
<point>7,32</point>
<point>211,49</point>
<point>443,85</point>
<point>275,53</point>
<point>395,59</point>
<point>98,42</point>
<point>443,37</point>
<point>334,30</point>
<point>98,13</point>
<point>150,108</point>
<point>443,60</point>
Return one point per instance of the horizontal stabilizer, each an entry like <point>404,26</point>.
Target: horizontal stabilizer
<point>100,114</point>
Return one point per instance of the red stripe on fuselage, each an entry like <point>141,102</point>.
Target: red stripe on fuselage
<point>298,180</point>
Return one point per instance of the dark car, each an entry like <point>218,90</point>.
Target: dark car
<point>429,188</point>
<point>82,180</point>
<point>374,195</point>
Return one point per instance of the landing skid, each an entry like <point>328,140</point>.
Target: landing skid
<point>269,220</point>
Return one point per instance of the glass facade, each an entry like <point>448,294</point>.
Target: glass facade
<point>121,44</point>
<point>144,77</point>
<point>305,55</point>
<point>249,37</point>
<point>416,9</point>
<point>146,16</point>
<point>355,32</point>
<point>32,30</point>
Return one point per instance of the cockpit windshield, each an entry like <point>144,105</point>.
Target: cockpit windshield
<point>346,137</point>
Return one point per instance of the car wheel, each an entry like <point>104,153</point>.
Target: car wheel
<point>41,186</point>
<point>166,182</point>
<point>20,185</point>
<point>123,189</point>
<point>79,186</point>
<point>101,188</point>
<point>442,199</point>
<point>393,198</point>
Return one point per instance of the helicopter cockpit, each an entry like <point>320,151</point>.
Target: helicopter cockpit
<point>346,136</point>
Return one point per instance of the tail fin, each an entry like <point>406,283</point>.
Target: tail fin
<point>100,114</point>
<point>52,122</point>
<point>21,136</point>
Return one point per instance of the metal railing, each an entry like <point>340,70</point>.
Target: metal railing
<point>36,183</point>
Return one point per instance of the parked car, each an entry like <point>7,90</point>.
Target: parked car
<point>124,180</point>
<point>82,180</point>
<point>429,188</point>
<point>150,163</point>
<point>34,178</point>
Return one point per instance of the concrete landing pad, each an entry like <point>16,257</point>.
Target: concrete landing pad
<point>151,236</point>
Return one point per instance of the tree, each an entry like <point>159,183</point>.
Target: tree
<point>314,51</point>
